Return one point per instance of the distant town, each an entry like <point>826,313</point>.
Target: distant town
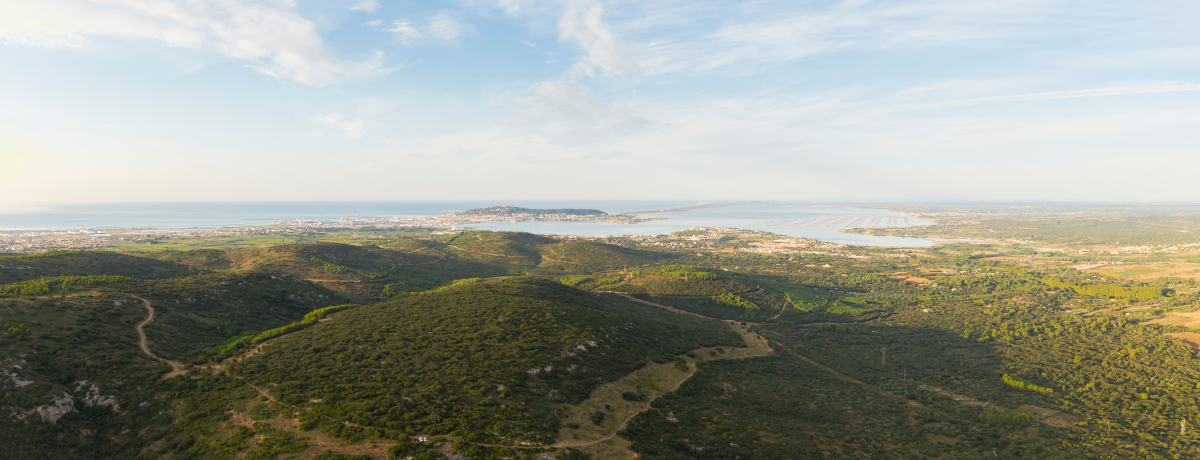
<point>84,239</point>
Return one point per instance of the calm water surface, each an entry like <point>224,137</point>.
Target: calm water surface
<point>807,221</point>
<point>817,222</point>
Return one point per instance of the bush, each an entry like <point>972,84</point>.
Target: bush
<point>633,396</point>
<point>682,364</point>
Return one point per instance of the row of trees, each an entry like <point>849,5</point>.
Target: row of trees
<point>734,300</point>
<point>1020,383</point>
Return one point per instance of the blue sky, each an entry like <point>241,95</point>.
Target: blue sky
<point>153,100</point>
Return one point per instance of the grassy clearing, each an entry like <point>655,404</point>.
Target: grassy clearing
<point>1185,319</point>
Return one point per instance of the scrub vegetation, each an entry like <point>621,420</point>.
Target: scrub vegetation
<point>508,345</point>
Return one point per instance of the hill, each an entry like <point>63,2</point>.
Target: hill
<point>72,365</point>
<point>362,272</point>
<point>489,360</point>
<point>591,257</point>
<point>513,212</point>
<point>87,263</point>
<point>192,314</point>
<point>524,251</point>
<point>402,265</point>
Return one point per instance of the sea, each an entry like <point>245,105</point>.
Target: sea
<point>819,222</point>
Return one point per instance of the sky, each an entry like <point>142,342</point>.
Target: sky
<point>856,100</point>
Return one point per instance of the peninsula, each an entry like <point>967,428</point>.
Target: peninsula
<point>516,214</point>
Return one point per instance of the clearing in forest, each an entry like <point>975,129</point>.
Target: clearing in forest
<point>593,424</point>
<point>1049,416</point>
<point>1146,272</point>
<point>1185,319</point>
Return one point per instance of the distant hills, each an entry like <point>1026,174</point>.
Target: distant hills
<point>513,211</point>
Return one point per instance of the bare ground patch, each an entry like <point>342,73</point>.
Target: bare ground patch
<point>287,419</point>
<point>1049,416</point>
<point>1146,272</point>
<point>642,386</point>
<point>1186,319</point>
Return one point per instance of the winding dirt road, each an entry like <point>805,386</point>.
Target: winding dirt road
<point>176,366</point>
<point>756,346</point>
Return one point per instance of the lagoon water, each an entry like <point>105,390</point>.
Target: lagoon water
<point>807,221</point>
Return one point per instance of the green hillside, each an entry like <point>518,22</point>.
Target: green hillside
<point>543,254</point>
<point>84,347</point>
<point>362,272</point>
<point>413,265</point>
<point>504,248</point>
<point>490,360</point>
<point>195,313</point>
<point>200,259</point>
<point>784,407</point>
<point>517,346</point>
<point>85,263</point>
<point>591,257</point>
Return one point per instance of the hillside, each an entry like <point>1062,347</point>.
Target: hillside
<point>72,365</point>
<point>490,359</point>
<point>414,265</point>
<point>591,257</point>
<point>84,263</point>
<point>362,272</point>
<point>192,314</point>
<point>955,351</point>
<point>540,254</point>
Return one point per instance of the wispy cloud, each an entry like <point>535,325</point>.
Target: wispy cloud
<point>443,27</point>
<point>354,129</point>
<point>368,6</point>
<point>741,40</point>
<point>447,27</point>
<point>274,38</point>
<point>405,32</point>
<point>568,113</point>
<point>604,49</point>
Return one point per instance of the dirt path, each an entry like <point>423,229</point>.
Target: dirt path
<point>658,379</point>
<point>750,342</point>
<point>335,281</point>
<point>176,366</point>
<point>664,307</point>
<point>782,309</point>
<point>652,381</point>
